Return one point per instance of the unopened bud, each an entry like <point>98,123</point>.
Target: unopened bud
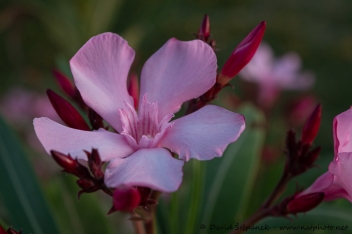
<point>65,84</point>
<point>242,54</point>
<point>95,164</point>
<point>70,165</point>
<point>133,89</point>
<point>204,29</point>
<point>311,127</point>
<point>126,198</point>
<point>67,112</point>
<point>305,203</point>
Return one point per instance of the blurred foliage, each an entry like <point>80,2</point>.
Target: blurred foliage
<point>38,35</point>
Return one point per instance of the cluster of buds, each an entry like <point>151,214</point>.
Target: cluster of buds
<point>9,231</point>
<point>299,156</point>
<point>90,180</point>
<point>239,58</point>
<point>299,159</point>
<point>67,112</point>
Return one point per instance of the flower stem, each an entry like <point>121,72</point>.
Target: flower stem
<point>138,227</point>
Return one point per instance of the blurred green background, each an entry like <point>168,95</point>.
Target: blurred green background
<point>37,36</point>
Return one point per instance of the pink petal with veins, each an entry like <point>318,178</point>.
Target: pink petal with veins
<point>100,70</point>
<point>54,136</point>
<point>153,168</point>
<point>178,72</point>
<point>203,134</point>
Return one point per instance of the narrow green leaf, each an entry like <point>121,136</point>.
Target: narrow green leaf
<point>324,216</point>
<point>20,192</point>
<point>230,180</point>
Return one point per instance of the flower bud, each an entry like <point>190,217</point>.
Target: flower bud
<point>126,198</point>
<point>242,54</point>
<point>70,165</point>
<point>65,84</point>
<point>204,29</point>
<point>67,112</point>
<point>305,203</point>
<point>311,127</point>
<point>133,89</point>
<point>95,164</point>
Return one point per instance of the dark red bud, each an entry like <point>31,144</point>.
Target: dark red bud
<point>133,89</point>
<point>70,165</point>
<point>67,112</point>
<point>95,164</point>
<point>87,184</point>
<point>204,29</point>
<point>65,84</point>
<point>12,231</point>
<point>242,54</point>
<point>311,127</point>
<point>65,161</point>
<point>305,203</point>
<point>126,198</point>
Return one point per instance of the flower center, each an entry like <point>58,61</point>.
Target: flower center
<point>144,129</point>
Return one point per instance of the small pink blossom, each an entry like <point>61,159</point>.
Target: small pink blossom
<point>273,75</point>
<point>337,181</point>
<point>139,153</point>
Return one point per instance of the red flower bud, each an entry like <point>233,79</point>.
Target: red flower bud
<point>133,89</point>
<point>65,84</point>
<point>204,29</point>
<point>95,164</point>
<point>126,198</point>
<point>67,112</point>
<point>70,165</point>
<point>242,54</point>
<point>305,203</point>
<point>311,127</point>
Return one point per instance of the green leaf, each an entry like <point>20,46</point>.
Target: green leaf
<point>20,192</point>
<point>230,179</point>
<point>326,215</point>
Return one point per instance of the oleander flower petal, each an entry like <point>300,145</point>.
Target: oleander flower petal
<point>100,70</point>
<point>54,136</point>
<point>203,134</point>
<point>153,168</point>
<point>178,72</point>
<point>342,130</point>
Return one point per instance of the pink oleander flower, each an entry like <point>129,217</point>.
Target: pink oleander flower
<point>139,154</point>
<point>336,182</point>
<point>273,75</point>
